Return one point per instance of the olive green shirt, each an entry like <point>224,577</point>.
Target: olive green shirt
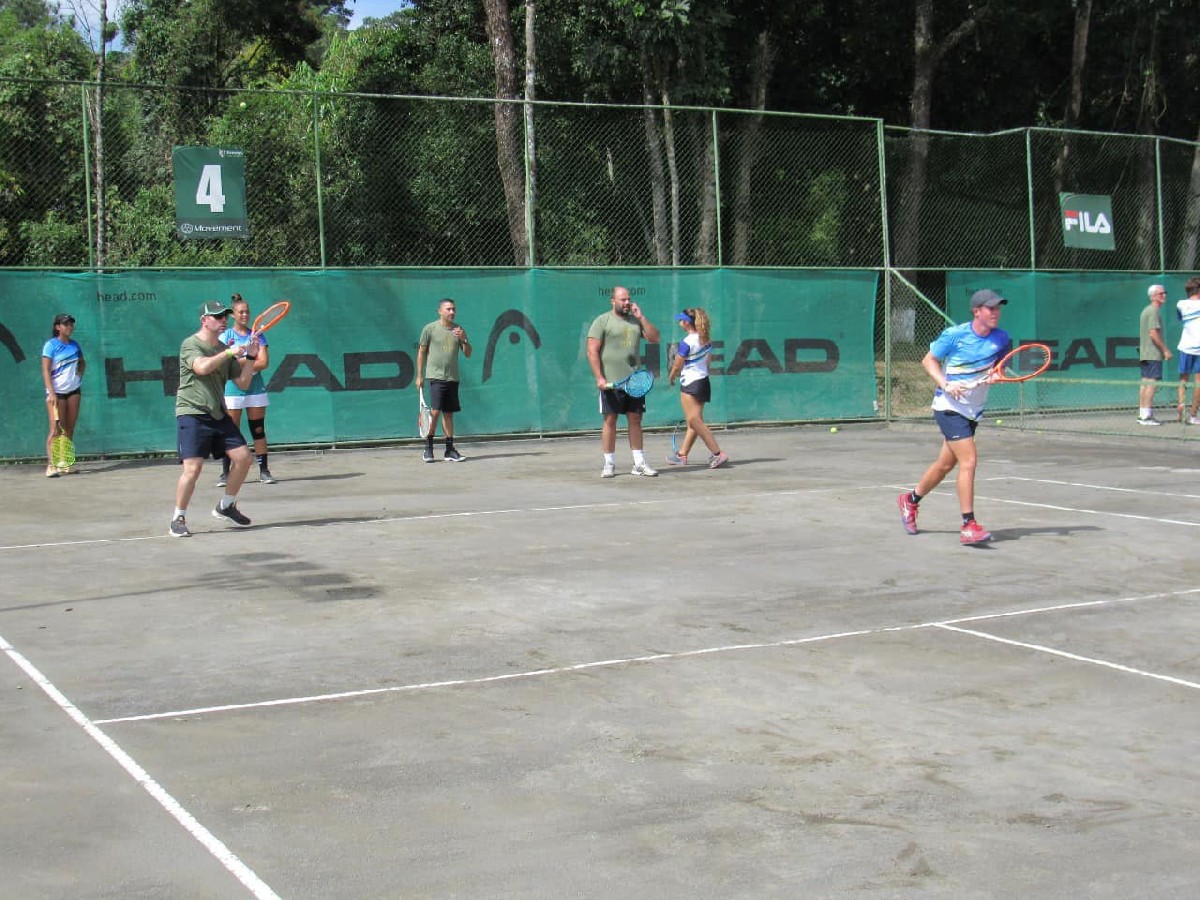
<point>620,344</point>
<point>203,395</point>
<point>441,347</point>
<point>1151,320</point>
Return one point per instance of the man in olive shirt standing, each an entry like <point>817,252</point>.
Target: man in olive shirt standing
<point>203,426</point>
<point>437,359</point>
<point>614,350</point>
<point>1152,350</point>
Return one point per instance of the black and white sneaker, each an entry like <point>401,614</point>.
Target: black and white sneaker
<point>427,455</point>
<point>453,455</point>
<point>265,476</point>
<point>222,479</point>
<point>179,527</point>
<point>231,514</point>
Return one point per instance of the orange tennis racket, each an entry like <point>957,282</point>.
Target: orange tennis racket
<point>1019,364</point>
<point>271,316</point>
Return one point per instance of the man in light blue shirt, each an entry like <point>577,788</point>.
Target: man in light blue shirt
<point>960,356</point>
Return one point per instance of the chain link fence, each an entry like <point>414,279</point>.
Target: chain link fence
<point>357,180</point>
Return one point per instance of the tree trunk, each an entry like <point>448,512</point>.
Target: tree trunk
<point>530,143</point>
<point>97,117</point>
<point>658,188</point>
<point>1083,17</point>
<point>1147,225</point>
<point>751,129</point>
<point>508,131</point>
<point>927,56</point>
<point>1190,239</point>
<point>672,173</point>
<point>706,237</point>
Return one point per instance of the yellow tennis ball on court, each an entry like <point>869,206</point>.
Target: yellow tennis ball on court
<point>833,430</point>
<point>999,421</point>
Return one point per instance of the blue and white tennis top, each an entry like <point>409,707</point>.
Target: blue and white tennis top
<point>64,359</point>
<point>1189,314</point>
<point>231,338</point>
<point>966,356</point>
<point>695,356</point>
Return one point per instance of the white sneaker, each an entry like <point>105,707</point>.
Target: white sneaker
<point>609,470</point>
<point>1149,420</point>
<point>644,469</point>
<point>1192,420</point>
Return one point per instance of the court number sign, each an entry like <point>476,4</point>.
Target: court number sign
<point>210,193</point>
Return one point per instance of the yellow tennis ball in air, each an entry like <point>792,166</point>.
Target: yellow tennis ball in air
<point>242,105</point>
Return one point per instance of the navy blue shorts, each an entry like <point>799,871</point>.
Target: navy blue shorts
<point>615,402</point>
<point>1151,369</point>
<point>701,389</point>
<point>443,396</point>
<point>955,426</point>
<point>203,436</point>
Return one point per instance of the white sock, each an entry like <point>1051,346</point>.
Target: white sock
<point>639,458</point>
<point>610,459</point>
<point>180,513</point>
<point>1145,412</point>
<point>227,501</point>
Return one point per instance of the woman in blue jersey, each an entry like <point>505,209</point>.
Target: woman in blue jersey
<point>254,399</point>
<point>960,355</point>
<point>691,368</point>
<point>62,375</point>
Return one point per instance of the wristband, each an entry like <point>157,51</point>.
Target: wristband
<point>231,352</point>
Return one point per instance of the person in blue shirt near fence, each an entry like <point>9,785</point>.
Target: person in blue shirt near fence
<point>62,374</point>
<point>956,359</point>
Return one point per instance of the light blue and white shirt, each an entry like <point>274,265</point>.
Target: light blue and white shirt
<point>64,359</point>
<point>231,338</point>
<point>695,358</point>
<point>966,356</point>
<point>1189,314</point>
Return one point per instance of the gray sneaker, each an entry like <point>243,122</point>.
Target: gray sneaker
<point>179,527</point>
<point>644,469</point>
<point>231,514</point>
<point>265,476</point>
<point>222,479</point>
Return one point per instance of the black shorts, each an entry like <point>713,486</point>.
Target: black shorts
<point>701,389</point>
<point>203,436</point>
<point>615,402</point>
<point>443,396</point>
<point>68,394</point>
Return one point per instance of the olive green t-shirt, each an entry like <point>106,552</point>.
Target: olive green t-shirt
<point>1151,320</point>
<point>202,395</point>
<point>441,362</point>
<point>620,339</point>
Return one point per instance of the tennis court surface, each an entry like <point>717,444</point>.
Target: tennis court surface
<point>510,678</point>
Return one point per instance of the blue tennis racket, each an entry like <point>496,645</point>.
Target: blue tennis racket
<point>639,384</point>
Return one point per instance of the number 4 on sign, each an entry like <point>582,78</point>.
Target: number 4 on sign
<point>208,192</point>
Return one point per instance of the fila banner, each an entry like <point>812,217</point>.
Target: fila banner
<point>1087,221</point>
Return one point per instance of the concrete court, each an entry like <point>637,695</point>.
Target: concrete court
<point>514,679</point>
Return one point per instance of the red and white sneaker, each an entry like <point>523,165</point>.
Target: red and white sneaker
<point>908,512</point>
<point>973,533</point>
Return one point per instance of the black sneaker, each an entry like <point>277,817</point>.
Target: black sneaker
<point>232,514</point>
<point>427,455</point>
<point>265,476</point>
<point>179,527</point>
<point>453,455</point>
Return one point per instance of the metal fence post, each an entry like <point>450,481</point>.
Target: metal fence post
<point>1029,184</point>
<point>887,272</point>
<point>87,177</point>
<point>317,172</point>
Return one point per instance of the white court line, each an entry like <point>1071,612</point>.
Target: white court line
<point>684,654</point>
<point>1072,656</point>
<point>425,517</point>
<point>223,854</point>
<point>1157,520</point>
<point>1096,487</point>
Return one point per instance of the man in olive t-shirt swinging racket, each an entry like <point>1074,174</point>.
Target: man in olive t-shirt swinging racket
<point>204,427</point>
<point>614,345</point>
